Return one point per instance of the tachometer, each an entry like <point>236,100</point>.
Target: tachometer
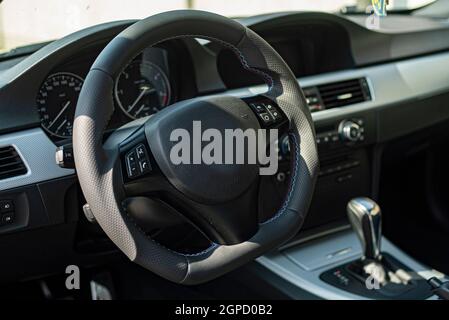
<point>56,103</point>
<point>142,89</point>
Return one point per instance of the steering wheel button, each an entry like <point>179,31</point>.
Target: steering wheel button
<point>131,157</point>
<point>270,107</point>
<point>144,166</point>
<point>276,115</point>
<point>6,206</point>
<point>131,165</point>
<point>8,218</point>
<point>266,118</point>
<point>141,151</point>
<point>259,108</point>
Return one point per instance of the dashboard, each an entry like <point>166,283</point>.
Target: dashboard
<point>42,89</point>
<point>311,43</point>
<point>386,84</point>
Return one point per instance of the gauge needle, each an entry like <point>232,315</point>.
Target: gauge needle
<point>62,124</point>
<point>140,109</point>
<point>60,113</point>
<point>142,93</point>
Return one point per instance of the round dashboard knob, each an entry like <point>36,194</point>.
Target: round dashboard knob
<point>349,130</point>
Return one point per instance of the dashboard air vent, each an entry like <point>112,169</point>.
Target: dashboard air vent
<point>339,94</point>
<point>11,164</point>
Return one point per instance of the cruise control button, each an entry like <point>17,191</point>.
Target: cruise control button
<point>131,165</point>
<point>144,165</point>
<point>8,218</point>
<point>6,206</point>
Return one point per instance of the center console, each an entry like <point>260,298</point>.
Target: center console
<point>375,275</point>
<point>353,264</point>
<point>345,167</point>
<point>304,265</point>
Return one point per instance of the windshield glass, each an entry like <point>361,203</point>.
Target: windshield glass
<point>25,22</point>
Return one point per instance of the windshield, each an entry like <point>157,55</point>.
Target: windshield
<point>25,22</point>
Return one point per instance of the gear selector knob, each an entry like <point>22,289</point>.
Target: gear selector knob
<point>366,220</point>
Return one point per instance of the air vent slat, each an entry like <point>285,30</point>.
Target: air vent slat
<point>338,85</point>
<point>355,88</point>
<point>340,94</point>
<point>347,97</point>
<point>6,157</point>
<point>6,172</point>
<point>11,164</point>
<point>348,102</point>
<point>4,150</point>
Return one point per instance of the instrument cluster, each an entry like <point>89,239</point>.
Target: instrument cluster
<point>143,88</point>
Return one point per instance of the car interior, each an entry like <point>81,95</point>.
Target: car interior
<point>357,208</point>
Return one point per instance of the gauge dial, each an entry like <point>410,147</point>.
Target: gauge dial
<point>142,89</point>
<point>56,103</point>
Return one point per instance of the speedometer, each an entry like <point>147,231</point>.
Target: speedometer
<point>142,89</point>
<point>56,103</point>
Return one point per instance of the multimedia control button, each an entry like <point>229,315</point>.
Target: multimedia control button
<point>266,118</point>
<point>258,107</point>
<point>276,115</point>
<point>266,110</point>
<point>270,107</point>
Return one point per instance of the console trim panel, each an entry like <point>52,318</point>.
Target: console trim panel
<point>309,280</point>
<point>38,153</point>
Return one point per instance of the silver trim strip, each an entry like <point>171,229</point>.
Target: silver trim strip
<point>38,153</point>
<point>389,83</point>
<point>314,236</point>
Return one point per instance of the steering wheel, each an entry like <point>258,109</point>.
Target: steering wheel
<point>219,200</point>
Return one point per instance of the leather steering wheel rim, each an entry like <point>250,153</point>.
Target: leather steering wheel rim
<point>97,164</point>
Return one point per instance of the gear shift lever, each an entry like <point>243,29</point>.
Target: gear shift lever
<point>383,272</point>
<point>365,217</point>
